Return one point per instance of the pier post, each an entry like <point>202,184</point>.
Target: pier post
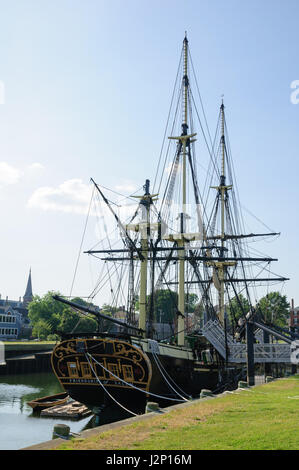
<point>206,393</point>
<point>152,407</point>
<point>293,366</point>
<point>250,352</point>
<point>61,430</point>
<point>267,366</point>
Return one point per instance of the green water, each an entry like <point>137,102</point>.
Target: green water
<point>19,426</point>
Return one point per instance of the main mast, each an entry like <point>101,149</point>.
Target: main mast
<point>181,298</point>
<point>223,191</point>
<point>184,144</point>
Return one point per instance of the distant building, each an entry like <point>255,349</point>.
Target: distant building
<point>121,314</point>
<point>28,297</point>
<point>10,323</point>
<point>294,315</point>
<point>14,321</point>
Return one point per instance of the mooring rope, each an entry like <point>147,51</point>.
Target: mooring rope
<point>106,391</point>
<point>164,377</point>
<point>133,386</point>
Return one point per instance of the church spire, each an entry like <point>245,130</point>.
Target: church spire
<point>28,297</point>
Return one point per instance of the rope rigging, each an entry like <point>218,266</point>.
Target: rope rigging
<point>121,275</point>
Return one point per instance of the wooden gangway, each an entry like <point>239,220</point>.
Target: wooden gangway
<point>236,352</point>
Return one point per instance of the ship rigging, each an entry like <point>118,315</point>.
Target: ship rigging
<point>184,240</point>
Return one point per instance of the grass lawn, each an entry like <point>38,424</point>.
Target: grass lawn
<point>28,345</point>
<point>264,417</point>
<point>7,343</point>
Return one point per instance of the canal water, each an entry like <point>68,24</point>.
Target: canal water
<point>19,426</point>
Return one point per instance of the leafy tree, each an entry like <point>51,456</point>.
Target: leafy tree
<point>72,321</point>
<point>274,308</point>
<point>48,316</point>
<point>47,309</point>
<point>108,310</point>
<point>237,308</point>
<point>166,304</point>
<point>52,337</point>
<point>41,329</point>
<point>191,301</point>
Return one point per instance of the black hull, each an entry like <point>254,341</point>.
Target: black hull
<point>182,376</point>
<point>167,376</point>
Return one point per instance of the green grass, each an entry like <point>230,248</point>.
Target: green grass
<point>263,418</point>
<point>28,342</point>
<point>25,345</point>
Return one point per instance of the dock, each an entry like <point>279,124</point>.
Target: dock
<point>72,410</point>
<point>27,357</point>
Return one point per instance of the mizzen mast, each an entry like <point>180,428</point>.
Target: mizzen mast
<point>221,266</point>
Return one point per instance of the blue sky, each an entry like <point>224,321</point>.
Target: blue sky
<point>87,90</point>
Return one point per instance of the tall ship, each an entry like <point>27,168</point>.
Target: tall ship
<point>183,264</point>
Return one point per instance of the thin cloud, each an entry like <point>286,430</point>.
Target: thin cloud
<point>36,166</point>
<point>127,188</point>
<point>72,196</point>
<point>8,174</point>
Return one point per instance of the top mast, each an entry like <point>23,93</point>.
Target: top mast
<point>185,122</point>
<point>186,81</point>
<point>222,187</point>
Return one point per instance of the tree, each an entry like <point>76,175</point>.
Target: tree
<point>41,329</point>
<point>275,309</point>
<point>47,309</point>
<point>237,308</point>
<point>165,304</point>
<point>191,302</point>
<point>108,310</point>
<point>49,316</point>
<point>73,322</point>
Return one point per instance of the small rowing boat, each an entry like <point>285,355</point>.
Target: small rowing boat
<point>49,401</point>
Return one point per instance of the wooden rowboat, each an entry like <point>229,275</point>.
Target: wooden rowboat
<point>47,402</point>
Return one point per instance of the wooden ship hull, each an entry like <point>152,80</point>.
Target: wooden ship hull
<point>100,372</point>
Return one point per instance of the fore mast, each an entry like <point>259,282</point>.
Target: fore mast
<point>145,232</point>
